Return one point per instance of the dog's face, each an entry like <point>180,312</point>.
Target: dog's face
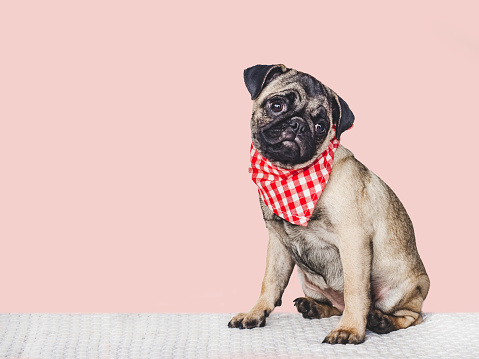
<point>293,115</point>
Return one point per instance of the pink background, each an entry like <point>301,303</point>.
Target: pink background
<point>124,141</point>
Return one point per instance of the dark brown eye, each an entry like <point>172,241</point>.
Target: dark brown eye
<point>276,106</point>
<point>320,128</point>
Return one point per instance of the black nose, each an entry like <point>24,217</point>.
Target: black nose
<point>296,125</point>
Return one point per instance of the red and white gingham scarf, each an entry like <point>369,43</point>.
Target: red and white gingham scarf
<point>292,194</point>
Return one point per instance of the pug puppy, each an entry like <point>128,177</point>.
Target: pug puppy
<point>357,256</point>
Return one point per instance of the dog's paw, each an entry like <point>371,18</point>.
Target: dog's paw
<point>344,336</point>
<point>306,307</point>
<point>379,322</point>
<point>312,309</point>
<point>249,320</point>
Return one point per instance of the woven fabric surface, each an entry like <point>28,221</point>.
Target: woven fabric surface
<point>138,336</point>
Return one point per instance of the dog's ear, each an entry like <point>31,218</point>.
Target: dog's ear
<point>343,117</point>
<point>257,77</point>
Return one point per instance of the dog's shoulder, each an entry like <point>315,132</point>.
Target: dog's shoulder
<point>353,191</point>
<point>348,172</point>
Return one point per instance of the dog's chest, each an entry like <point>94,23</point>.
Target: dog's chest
<point>314,250</point>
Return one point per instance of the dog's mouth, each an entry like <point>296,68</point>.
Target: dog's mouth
<point>286,141</point>
<point>293,148</point>
<point>276,136</point>
<point>285,130</point>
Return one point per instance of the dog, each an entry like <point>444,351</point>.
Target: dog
<point>357,254</point>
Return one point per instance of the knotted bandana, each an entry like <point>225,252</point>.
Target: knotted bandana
<point>292,194</point>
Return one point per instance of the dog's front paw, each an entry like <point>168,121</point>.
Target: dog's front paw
<point>344,336</point>
<point>249,320</point>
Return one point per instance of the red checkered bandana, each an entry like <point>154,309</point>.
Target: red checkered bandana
<point>292,194</point>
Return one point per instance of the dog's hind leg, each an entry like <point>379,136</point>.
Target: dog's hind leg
<point>404,314</point>
<point>382,323</point>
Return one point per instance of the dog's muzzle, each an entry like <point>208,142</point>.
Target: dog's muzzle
<point>286,130</point>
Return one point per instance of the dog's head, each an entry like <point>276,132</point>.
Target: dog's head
<point>293,115</point>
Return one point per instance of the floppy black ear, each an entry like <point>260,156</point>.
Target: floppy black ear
<point>343,117</point>
<point>256,77</point>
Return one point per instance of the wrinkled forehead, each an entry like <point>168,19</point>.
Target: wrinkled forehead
<point>307,88</point>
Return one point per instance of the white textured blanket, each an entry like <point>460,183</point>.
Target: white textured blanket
<point>138,336</point>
